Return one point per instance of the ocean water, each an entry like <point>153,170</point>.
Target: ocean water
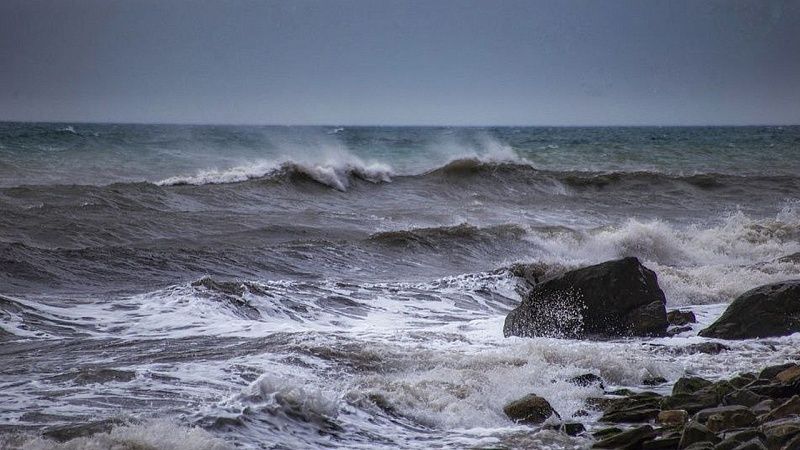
<point>209,287</point>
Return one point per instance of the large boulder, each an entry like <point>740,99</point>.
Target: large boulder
<point>766,311</point>
<point>615,298</point>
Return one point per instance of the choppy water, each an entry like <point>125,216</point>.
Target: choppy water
<point>296,287</point>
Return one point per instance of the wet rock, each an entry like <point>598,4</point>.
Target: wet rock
<point>663,443</point>
<point>653,381</point>
<point>770,310</point>
<point>744,397</point>
<point>606,433</point>
<point>673,418</point>
<point>781,431</point>
<point>742,380</point>
<point>749,439</point>
<point>709,348</point>
<point>789,374</point>
<point>615,298</point>
<point>679,318</point>
<point>674,331</point>
<point>630,439</point>
<point>705,445</point>
<point>695,432</point>
<point>792,444</point>
<point>769,373</point>
<point>777,390</point>
<point>580,413</point>
<point>573,428</point>
<point>763,407</point>
<point>625,392</point>
<point>99,375</point>
<point>689,385</point>
<point>530,409</point>
<point>725,418</point>
<point>753,444</point>
<point>587,379</point>
<point>69,432</point>
<point>637,408</point>
<point>789,408</point>
<point>689,402</point>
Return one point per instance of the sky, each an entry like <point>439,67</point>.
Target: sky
<point>433,62</point>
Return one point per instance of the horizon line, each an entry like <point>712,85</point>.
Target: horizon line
<point>399,125</point>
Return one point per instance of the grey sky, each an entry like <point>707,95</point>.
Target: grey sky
<point>378,62</point>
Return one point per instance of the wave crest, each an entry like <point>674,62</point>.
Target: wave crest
<point>335,174</point>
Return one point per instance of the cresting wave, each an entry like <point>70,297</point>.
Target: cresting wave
<point>340,176</point>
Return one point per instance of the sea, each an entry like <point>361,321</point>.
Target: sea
<point>289,287</point>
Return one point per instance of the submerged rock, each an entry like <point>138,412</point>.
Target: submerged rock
<point>587,379</point>
<point>530,409</point>
<point>679,318</point>
<point>615,298</point>
<point>770,310</point>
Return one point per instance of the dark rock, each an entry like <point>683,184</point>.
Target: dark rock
<point>742,380</point>
<point>689,385</point>
<point>631,439</point>
<point>724,418</point>
<point>690,402</point>
<point>763,407</point>
<point>770,310</point>
<point>753,444</point>
<point>768,373</point>
<point>573,428</point>
<point>673,417</point>
<point>744,397</point>
<point>776,390</point>
<point>792,444</point>
<point>789,374</point>
<point>678,317</point>
<point>789,408</point>
<point>709,348</point>
<point>654,381</point>
<point>615,298</point>
<point>625,392</point>
<point>793,258</point>
<point>580,413</point>
<point>705,445</point>
<point>695,432</point>
<point>587,379</point>
<point>749,439</point>
<point>744,435</point>
<point>779,432</point>
<point>530,409</point>
<point>662,443</point>
<point>606,432</point>
<point>636,408</point>
<point>100,375</point>
<point>674,331</point>
<point>69,432</point>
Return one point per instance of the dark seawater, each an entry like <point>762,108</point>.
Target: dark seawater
<point>345,287</point>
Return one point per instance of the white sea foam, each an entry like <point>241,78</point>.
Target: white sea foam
<point>694,264</point>
<point>153,435</point>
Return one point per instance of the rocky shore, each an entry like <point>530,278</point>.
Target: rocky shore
<point>750,411</point>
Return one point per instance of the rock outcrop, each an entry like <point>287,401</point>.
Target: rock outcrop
<point>766,311</point>
<point>612,299</point>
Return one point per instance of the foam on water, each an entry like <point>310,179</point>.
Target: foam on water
<point>155,435</point>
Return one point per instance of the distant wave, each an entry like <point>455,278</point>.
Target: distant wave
<point>340,175</point>
<point>337,175</point>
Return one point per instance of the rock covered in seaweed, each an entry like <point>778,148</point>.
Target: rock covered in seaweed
<point>612,299</point>
<point>766,311</point>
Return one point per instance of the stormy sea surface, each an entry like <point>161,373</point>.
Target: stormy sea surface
<point>204,287</point>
